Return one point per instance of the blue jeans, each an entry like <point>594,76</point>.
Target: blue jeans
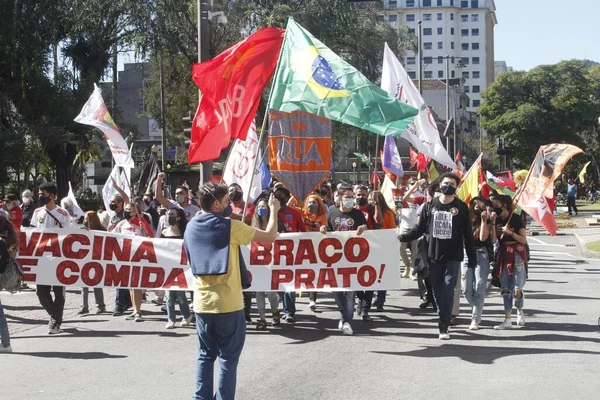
<point>179,297</point>
<point>223,336</point>
<point>443,277</point>
<point>381,294</point>
<point>345,303</point>
<point>122,300</point>
<point>289,303</point>
<point>511,282</point>
<point>4,335</point>
<point>474,282</point>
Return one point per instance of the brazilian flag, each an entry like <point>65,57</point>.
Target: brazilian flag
<point>311,78</point>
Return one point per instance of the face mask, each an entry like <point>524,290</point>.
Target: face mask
<point>26,200</point>
<point>227,211</point>
<point>147,203</point>
<point>498,210</point>
<point>180,198</point>
<point>236,195</point>
<point>86,224</point>
<point>126,215</point>
<point>44,200</point>
<point>448,190</point>
<point>478,212</point>
<point>348,203</point>
<point>262,211</point>
<point>112,206</point>
<point>312,208</point>
<point>172,221</point>
<point>361,201</point>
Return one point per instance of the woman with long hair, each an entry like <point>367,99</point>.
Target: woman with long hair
<point>177,221</point>
<point>259,221</point>
<point>91,222</point>
<point>9,245</point>
<point>474,280</point>
<point>134,224</point>
<point>315,216</point>
<point>387,220</point>
<point>511,259</point>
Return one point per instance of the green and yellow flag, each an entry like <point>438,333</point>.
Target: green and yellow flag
<point>310,77</point>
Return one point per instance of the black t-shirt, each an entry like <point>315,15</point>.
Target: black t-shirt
<point>345,221</point>
<point>4,256</point>
<point>476,226</point>
<point>516,223</point>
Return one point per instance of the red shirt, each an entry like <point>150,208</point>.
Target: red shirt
<point>18,213</point>
<point>369,213</point>
<point>292,219</point>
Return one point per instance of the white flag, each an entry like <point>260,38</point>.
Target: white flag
<point>95,113</point>
<point>239,166</point>
<point>123,179</point>
<point>77,211</point>
<point>423,133</point>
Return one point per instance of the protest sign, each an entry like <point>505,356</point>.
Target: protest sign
<point>296,261</point>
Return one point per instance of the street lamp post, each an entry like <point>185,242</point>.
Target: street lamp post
<point>354,169</point>
<point>447,99</point>
<point>419,55</point>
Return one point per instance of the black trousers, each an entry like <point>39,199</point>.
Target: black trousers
<point>366,298</point>
<point>54,307</point>
<point>571,204</point>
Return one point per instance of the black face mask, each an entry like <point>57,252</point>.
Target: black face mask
<point>448,190</point>
<point>478,212</point>
<point>44,200</point>
<point>126,215</point>
<point>236,195</point>
<point>172,221</point>
<point>112,206</point>
<point>147,203</point>
<point>361,201</point>
<point>498,210</point>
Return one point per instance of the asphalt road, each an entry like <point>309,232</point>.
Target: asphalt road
<point>396,356</point>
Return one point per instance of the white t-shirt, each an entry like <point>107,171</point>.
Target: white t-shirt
<point>127,228</point>
<point>190,210</point>
<point>104,218</point>
<point>41,219</point>
<point>408,219</point>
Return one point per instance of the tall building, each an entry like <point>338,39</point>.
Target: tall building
<point>462,29</point>
<point>501,66</point>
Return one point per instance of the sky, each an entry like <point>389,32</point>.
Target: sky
<point>536,32</point>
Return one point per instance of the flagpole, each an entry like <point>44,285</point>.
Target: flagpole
<point>376,155</point>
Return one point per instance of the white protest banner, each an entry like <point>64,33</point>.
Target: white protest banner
<point>296,261</point>
<point>109,190</point>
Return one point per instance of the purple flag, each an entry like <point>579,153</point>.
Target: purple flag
<point>392,163</point>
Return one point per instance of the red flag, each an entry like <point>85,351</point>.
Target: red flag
<point>413,157</point>
<point>231,85</point>
<point>538,208</point>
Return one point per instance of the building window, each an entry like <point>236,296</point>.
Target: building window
<point>451,3</point>
<point>440,74</point>
<point>464,18</point>
<point>452,45</point>
<point>427,60</point>
<point>475,74</point>
<point>410,61</point>
<point>475,60</point>
<point>426,3</point>
<point>476,89</point>
<point>426,17</point>
<point>465,74</point>
<point>427,31</point>
<point>440,16</point>
<point>440,59</point>
<point>475,32</point>
<point>380,18</point>
<point>474,17</point>
<point>476,103</point>
<point>474,4</point>
<point>393,4</point>
<point>451,16</point>
<point>440,31</point>
<point>440,45</point>
<point>411,31</point>
<point>410,3</point>
<point>392,18</point>
<point>464,32</point>
<point>465,60</point>
<point>452,31</point>
<point>465,46</point>
<point>439,4</point>
<point>427,45</point>
<point>464,4</point>
<point>428,75</point>
<point>410,17</point>
<point>452,74</point>
<point>467,89</point>
<point>475,46</point>
<point>412,74</point>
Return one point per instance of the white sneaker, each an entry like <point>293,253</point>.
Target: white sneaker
<point>170,325</point>
<point>444,336</point>
<point>5,349</point>
<point>507,324</point>
<point>521,319</point>
<point>340,325</point>
<point>312,305</point>
<point>474,326</point>
<point>187,321</point>
<point>347,329</point>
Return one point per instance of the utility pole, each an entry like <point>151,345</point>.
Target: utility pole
<point>448,99</point>
<point>203,52</point>
<point>419,57</point>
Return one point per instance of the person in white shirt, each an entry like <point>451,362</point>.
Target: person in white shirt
<point>50,215</point>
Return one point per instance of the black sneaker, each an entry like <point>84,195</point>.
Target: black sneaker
<point>424,304</point>
<point>55,329</point>
<point>100,310</point>
<point>118,312</point>
<point>359,309</point>
<point>83,311</point>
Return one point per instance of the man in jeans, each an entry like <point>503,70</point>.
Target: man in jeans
<point>448,221</point>
<point>212,243</point>
<point>123,298</point>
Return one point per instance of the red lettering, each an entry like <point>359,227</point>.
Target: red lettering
<point>346,273</point>
<point>365,270</point>
<point>326,278</point>
<point>112,249</point>
<point>145,252</point>
<point>117,277</point>
<point>26,264</point>
<point>260,254</point>
<point>97,272</point>
<point>176,278</point>
<point>305,251</point>
<point>152,272</point>
<point>306,277</point>
<point>69,252</point>
<point>280,276</point>
<point>135,276</point>
<point>326,258</point>
<point>283,248</point>
<point>363,249</point>
<point>48,243</point>
<point>65,267</point>
<point>97,247</point>
<point>27,248</point>
<point>184,258</point>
